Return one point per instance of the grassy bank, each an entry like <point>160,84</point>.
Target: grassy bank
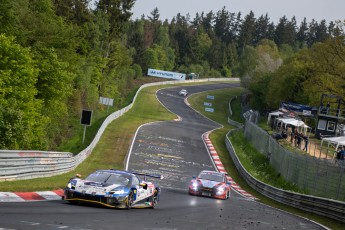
<point>111,149</point>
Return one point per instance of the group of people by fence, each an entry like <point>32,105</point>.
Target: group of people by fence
<point>296,138</point>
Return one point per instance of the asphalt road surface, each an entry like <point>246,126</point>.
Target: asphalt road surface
<point>174,149</point>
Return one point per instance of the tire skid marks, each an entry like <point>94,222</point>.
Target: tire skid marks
<point>162,155</point>
<point>221,168</point>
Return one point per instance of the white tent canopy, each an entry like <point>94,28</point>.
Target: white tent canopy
<point>334,140</point>
<point>294,122</point>
<point>276,113</point>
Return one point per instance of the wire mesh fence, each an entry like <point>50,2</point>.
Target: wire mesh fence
<point>319,176</point>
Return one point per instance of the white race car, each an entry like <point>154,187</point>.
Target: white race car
<point>113,188</point>
<point>183,92</point>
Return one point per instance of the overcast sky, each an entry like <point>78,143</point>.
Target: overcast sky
<point>330,10</point>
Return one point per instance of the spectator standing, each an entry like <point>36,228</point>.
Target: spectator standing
<point>342,154</point>
<point>306,142</point>
<point>292,135</point>
<point>299,140</point>
<point>327,107</point>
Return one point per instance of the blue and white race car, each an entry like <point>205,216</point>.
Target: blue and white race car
<point>114,188</point>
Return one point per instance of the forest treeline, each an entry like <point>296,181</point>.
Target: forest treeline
<point>58,57</point>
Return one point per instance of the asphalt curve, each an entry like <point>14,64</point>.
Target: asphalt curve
<point>174,149</point>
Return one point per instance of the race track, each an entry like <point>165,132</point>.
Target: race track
<point>176,150</point>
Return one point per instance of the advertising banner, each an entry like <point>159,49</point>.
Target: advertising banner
<point>166,74</point>
<point>295,107</point>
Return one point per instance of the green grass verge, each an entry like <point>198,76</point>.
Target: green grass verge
<point>257,164</point>
<point>112,148</point>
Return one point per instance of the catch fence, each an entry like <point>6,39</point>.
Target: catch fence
<point>321,177</point>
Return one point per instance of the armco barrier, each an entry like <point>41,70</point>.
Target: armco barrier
<point>325,207</point>
<point>23,164</point>
<point>19,164</point>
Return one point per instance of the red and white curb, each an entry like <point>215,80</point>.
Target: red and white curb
<point>31,196</point>
<point>221,168</point>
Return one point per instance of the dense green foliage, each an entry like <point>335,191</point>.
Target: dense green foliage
<point>58,57</point>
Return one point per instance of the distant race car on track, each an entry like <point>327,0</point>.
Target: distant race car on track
<point>114,188</point>
<point>183,92</point>
<point>210,184</point>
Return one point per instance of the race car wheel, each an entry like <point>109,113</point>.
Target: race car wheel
<point>154,202</point>
<point>129,201</point>
<point>73,202</point>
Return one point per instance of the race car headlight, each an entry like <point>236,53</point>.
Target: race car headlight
<point>118,192</point>
<point>220,190</point>
<point>195,186</point>
<point>69,185</point>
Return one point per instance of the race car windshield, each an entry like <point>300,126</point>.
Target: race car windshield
<point>211,176</point>
<point>108,178</point>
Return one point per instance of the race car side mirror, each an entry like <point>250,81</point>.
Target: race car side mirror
<point>144,185</point>
<point>228,182</point>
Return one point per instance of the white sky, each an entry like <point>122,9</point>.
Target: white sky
<point>330,10</point>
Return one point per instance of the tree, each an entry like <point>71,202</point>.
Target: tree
<point>262,29</point>
<point>247,62</point>
<point>321,33</point>
<point>285,32</point>
<point>10,14</point>
<point>54,87</point>
<point>328,68</point>
<point>118,13</point>
<point>75,11</point>
<point>21,124</point>
<point>304,77</point>
<point>246,33</point>
<point>222,25</point>
<point>301,36</point>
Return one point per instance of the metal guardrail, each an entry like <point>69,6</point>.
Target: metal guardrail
<point>20,164</point>
<point>16,165</point>
<point>321,206</point>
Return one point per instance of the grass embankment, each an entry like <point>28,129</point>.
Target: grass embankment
<point>112,148</point>
<point>254,162</point>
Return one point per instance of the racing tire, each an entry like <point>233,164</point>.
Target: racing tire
<point>227,195</point>
<point>129,201</point>
<point>154,202</point>
<point>74,202</point>
<point>155,199</point>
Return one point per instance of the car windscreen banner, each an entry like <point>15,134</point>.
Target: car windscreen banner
<point>166,74</point>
